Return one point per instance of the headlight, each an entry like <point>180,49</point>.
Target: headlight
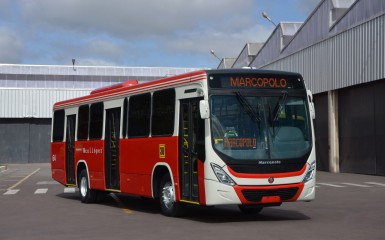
<point>222,175</point>
<point>310,173</point>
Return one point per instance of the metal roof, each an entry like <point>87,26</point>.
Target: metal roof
<point>29,91</point>
<point>247,54</point>
<point>332,52</point>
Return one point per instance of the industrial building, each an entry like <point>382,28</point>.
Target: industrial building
<point>28,92</point>
<point>340,52</point>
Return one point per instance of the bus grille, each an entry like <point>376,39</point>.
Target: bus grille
<point>257,195</point>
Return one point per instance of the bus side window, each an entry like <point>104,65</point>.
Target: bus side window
<point>125,117</point>
<point>58,126</point>
<point>83,120</point>
<point>139,115</point>
<point>163,113</point>
<point>96,121</point>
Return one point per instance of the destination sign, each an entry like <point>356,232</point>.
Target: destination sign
<point>250,81</point>
<point>258,82</point>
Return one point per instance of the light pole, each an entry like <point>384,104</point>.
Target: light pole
<point>213,53</point>
<point>264,15</point>
<point>73,64</point>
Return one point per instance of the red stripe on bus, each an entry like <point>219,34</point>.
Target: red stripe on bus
<point>201,183</point>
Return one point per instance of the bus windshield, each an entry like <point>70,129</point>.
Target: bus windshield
<point>250,127</point>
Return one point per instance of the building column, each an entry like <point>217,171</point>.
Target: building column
<point>334,155</point>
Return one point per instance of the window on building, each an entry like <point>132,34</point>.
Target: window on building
<point>96,121</point>
<point>163,111</point>
<point>58,126</point>
<point>139,115</point>
<point>338,10</point>
<point>83,118</point>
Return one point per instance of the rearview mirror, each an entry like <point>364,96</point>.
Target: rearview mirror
<point>204,109</point>
<point>311,104</point>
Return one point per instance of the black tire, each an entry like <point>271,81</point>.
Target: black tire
<point>168,205</point>
<point>87,195</point>
<point>245,209</point>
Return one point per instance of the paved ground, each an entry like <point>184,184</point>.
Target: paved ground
<point>33,206</point>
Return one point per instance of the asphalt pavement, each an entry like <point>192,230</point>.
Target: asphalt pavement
<point>33,206</point>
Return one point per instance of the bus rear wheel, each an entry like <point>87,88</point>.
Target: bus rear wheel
<point>87,195</point>
<point>168,205</point>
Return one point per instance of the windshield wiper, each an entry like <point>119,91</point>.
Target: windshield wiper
<point>248,108</point>
<point>280,104</point>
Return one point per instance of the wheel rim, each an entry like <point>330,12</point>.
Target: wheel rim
<point>83,186</point>
<point>168,195</point>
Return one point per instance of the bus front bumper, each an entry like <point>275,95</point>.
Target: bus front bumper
<point>258,195</point>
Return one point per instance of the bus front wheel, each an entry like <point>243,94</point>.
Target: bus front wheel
<point>168,205</point>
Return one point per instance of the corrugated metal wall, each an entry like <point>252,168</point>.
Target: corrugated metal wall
<point>352,57</point>
<point>33,103</point>
<point>91,70</point>
<point>361,11</point>
<point>315,29</point>
<point>344,53</point>
<point>29,91</point>
<point>25,140</point>
<point>270,51</point>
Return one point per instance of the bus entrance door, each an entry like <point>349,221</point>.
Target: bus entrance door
<point>111,151</point>
<point>189,135</point>
<point>70,146</point>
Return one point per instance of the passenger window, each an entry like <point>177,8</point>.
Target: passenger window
<point>125,117</point>
<point>163,111</point>
<point>96,121</point>
<point>139,115</point>
<point>83,117</point>
<point>58,126</point>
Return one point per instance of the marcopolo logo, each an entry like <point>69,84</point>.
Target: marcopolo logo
<point>269,162</point>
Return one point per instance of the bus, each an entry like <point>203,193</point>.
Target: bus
<point>239,137</point>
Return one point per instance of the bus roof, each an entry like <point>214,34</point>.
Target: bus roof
<point>132,87</point>
<point>126,88</point>
<point>251,70</point>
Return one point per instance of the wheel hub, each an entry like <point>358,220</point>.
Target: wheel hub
<point>83,186</point>
<point>168,195</point>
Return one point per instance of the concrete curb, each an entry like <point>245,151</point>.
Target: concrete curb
<point>3,168</point>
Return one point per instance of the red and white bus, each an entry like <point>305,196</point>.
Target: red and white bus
<point>211,137</point>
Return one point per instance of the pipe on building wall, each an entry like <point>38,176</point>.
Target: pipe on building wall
<point>334,155</point>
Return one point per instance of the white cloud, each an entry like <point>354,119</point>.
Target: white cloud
<point>135,31</point>
<point>129,18</point>
<point>104,48</point>
<point>181,27</point>
<point>93,62</point>
<point>11,46</point>
<point>90,51</point>
<point>225,44</point>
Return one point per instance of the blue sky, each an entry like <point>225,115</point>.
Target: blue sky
<point>137,33</point>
